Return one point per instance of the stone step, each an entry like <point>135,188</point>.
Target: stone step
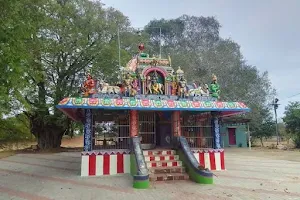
<point>161,157</point>
<point>176,163</point>
<point>163,170</point>
<point>168,177</point>
<point>158,152</point>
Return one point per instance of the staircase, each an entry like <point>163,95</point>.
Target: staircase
<point>164,165</point>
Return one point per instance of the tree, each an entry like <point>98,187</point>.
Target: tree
<point>264,126</point>
<point>195,45</point>
<point>292,121</point>
<point>69,38</point>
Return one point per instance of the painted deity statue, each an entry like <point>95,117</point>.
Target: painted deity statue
<point>134,87</point>
<point>182,90</point>
<point>89,86</point>
<point>174,88</point>
<point>214,88</point>
<point>127,80</point>
<point>156,86</point>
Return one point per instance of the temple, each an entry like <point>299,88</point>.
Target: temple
<point>153,124</point>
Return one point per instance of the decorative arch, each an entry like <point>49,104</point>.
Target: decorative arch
<point>147,70</point>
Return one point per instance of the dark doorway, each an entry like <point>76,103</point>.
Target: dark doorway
<point>231,136</point>
<point>163,129</point>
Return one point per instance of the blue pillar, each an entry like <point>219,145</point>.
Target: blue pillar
<point>88,130</point>
<point>216,132</point>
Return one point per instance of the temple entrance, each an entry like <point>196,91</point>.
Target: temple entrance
<point>155,129</point>
<point>163,129</point>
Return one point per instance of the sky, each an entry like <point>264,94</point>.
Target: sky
<point>267,30</point>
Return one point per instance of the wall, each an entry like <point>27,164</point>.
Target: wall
<point>240,133</point>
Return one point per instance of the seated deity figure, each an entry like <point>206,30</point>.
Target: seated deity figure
<point>89,86</point>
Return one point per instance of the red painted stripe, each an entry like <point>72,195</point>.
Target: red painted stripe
<point>174,164</point>
<point>201,159</point>
<point>164,164</point>
<point>154,164</point>
<point>120,163</point>
<point>169,152</point>
<point>222,156</point>
<point>212,161</point>
<point>152,158</point>
<point>161,157</point>
<point>106,164</point>
<point>172,157</point>
<point>92,165</point>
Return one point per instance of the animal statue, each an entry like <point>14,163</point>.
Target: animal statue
<point>195,92</point>
<point>157,88</point>
<point>89,86</point>
<point>105,88</point>
<point>205,91</point>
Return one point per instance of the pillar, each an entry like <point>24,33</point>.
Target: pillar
<point>216,131</point>
<point>134,123</point>
<point>176,126</point>
<point>88,125</point>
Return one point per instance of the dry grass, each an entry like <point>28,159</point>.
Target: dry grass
<point>5,154</point>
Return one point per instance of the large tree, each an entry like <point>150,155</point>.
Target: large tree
<point>292,121</point>
<point>195,44</point>
<point>69,38</point>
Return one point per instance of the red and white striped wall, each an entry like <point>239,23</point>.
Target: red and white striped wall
<point>105,163</point>
<point>213,159</point>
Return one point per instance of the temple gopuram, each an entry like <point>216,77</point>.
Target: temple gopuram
<point>153,124</point>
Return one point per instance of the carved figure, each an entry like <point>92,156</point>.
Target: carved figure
<point>157,88</point>
<point>214,88</point>
<point>105,88</point>
<point>134,87</point>
<point>182,91</point>
<point>149,85</point>
<point>205,91</point>
<point>89,86</point>
<point>174,88</point>
<point>195,92</point>
<point>127,80</point>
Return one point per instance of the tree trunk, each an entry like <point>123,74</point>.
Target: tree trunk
<point>47,130</point>
<point>261,141</point>
<point>49,139</point>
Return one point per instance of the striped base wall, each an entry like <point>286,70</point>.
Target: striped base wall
<point>118,162</point>
<point>105,163</point>
<point>213,159</point>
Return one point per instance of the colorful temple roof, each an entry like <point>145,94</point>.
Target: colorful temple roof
<point>150,83</point>
<point>70,105</point>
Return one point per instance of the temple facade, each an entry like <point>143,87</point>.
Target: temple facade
<point>153,124</point>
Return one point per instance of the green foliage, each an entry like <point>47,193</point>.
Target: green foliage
<point>263,127</point>
<point>195,45</point>
<point>292,121</point>
<point>15,128</point>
